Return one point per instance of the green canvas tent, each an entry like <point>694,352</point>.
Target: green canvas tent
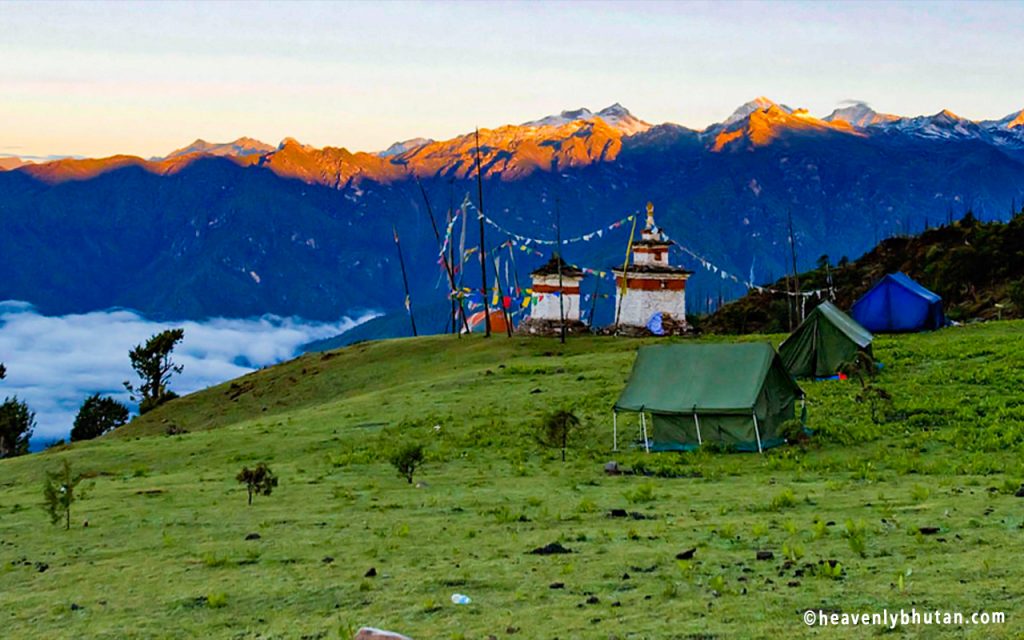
<point>824,340</point>
<point>737,395</point>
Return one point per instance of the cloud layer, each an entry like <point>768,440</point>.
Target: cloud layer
<point>55,362</point>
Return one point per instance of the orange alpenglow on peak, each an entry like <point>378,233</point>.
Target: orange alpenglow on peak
<point>763,125</point>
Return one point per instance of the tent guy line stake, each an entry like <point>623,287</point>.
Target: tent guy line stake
<point>615,430</point>
<point>757,431</point>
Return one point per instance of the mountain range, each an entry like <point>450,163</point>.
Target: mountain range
<point>245,228</point>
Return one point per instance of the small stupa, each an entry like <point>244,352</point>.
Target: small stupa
<point>552,299</point>
<point>653,300</point>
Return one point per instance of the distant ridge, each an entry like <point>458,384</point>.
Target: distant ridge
<point>301,230</point>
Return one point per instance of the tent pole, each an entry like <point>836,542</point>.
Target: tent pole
<point>643,427</point>
<point>615,430</point>
<point>696,421</point>
<point>757,432</point>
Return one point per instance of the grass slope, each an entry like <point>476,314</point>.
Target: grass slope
<point>976,267</point>
<point>165,554</point>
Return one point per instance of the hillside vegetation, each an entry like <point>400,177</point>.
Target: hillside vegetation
<point>916,509</point>
<point>977,268</point>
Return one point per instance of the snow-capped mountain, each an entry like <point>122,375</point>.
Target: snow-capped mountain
<point>859,115</point>
<point>615,116</point>
<point>239,148</point>
<point>1013,121</point>
<point>403,146</point>
<point>760,103</point>
<point>944,125</point>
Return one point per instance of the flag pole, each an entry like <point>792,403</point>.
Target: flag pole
<point>561,290</point>
<point>483,259</point>
<point>625,274</point>
<point>405,281</point>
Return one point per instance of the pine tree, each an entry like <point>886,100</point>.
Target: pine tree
<point>152,361</point>
<point>97,416</point>
<point>17,422</point>
<point>59,493</point>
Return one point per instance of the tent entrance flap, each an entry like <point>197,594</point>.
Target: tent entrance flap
<point>679,432</point>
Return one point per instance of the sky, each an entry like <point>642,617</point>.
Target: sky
<point>100,78</point>
<point>55,362</point>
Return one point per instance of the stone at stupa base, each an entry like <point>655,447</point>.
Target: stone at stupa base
<point>670,326</point>
<point>552,328</point>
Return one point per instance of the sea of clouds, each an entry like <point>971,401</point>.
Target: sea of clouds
<point>55,362</point>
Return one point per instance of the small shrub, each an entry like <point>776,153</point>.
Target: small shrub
<point>1015,291</point>
<point>784,500</point>
<point>829,569</point>
<point>406,460</point>
<point>556,428</point>
<point>791,527</point>
<point>717,584</point>
<point>901,579</point>
<point>919,493</point>
<point>793,551</point>
<point>260,480</point>
<point>586,505</point>
<point>641,493</point>
<point>856,535</point>
<point>819,530</point>
<point>217,600</point>
<point>175,430</point>
<point>670,591</point>
<point>214,561</point>
<point>793,431</point>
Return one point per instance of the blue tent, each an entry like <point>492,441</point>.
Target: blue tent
<point>898,304</point>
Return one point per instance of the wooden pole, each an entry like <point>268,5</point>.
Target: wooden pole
<point>625,272</point>
<point>405,281</point>
<point>561,290</point>
<point>792,251</point>
<point>483,260</point>
<point>457,309</point>
<point>462,246</point>
<point>456,301</point>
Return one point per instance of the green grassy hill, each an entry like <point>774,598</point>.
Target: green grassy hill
<point>977,268</point>
<point>166,554</point>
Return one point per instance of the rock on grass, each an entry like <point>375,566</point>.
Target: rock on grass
<point>550,549</point>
